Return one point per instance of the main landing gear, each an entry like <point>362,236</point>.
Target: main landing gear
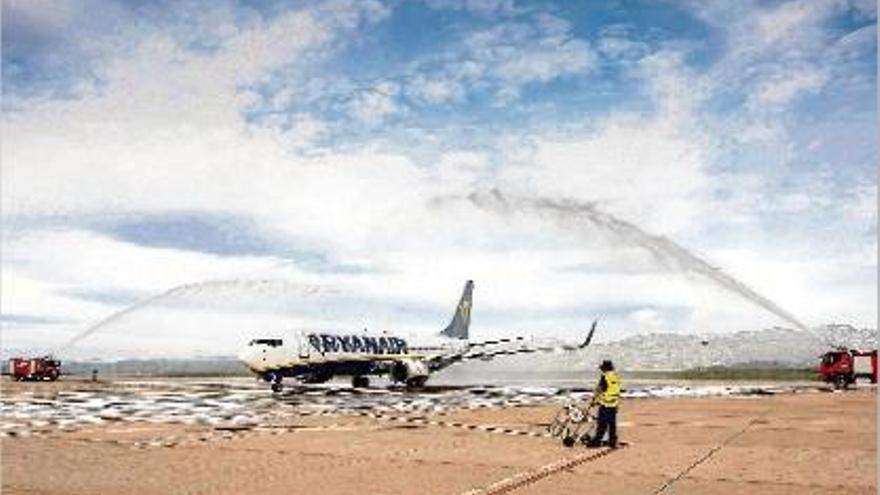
<point>275,379</point>
<point>360,381</point>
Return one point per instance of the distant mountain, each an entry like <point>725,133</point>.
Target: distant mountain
<point>773,347</point>
<point>217,366</point>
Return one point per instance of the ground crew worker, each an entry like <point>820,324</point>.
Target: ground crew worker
<point>607,395</point>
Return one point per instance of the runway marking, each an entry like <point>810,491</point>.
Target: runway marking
<point>228,432</point>
<point>526,478</point>
<point>456,424</point>
<point>705,457</point>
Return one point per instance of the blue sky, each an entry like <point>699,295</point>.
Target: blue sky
<point>153,144</point>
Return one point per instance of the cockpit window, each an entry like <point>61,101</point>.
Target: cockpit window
<point>268,342</point>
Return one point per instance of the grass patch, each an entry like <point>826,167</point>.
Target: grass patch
<point>729,373</point>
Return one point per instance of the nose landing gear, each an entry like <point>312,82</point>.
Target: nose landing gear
<point>275,379</point>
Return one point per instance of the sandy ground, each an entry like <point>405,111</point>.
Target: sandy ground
<point>797,443</point>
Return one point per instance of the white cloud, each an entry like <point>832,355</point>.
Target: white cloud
<point>621,47</point>
<point>504,57</point>
<point>461,170</point>
<point>787,86</point>
<point>779,52</point>
<point>677,92</point>
<point>372,105</point>
<point>620,167</point>
<point>480,7</point>
<point>39,295</point>
<point>549,61</point>
<point>435,90</point>
<point>74,258</point>
<point>648,320</point>
<point>295,131</point>
<point>781,23</point>
<point>517,54</point>
<point>861,205</point>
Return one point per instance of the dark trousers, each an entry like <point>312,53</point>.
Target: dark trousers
<point>607,421</point>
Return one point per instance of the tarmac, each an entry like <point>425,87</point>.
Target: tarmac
<point>222,436</point>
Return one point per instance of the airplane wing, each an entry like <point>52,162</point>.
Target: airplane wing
<point>484,350</point>
<point>487,343</point>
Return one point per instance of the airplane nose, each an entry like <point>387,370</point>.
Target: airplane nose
<point>248,357</point>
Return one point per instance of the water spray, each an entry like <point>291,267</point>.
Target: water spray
<point>662,249</point>
<point>195,289</point>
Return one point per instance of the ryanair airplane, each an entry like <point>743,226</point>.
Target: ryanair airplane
<point>315,357</point>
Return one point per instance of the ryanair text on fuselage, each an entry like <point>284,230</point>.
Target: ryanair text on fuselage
<point>357,344</point>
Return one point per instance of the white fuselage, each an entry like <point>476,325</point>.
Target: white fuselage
<point>306,349</point>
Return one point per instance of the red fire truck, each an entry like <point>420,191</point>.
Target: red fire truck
<point>843,368</point>
<point>41,368</point>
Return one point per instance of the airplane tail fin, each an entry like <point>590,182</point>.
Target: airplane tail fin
<point>461,322</point>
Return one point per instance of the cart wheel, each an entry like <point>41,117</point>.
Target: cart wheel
<point>568,441</point>
<point>558,424</point>
<point>556,428</point>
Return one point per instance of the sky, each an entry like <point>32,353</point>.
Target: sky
<point>245,168</point>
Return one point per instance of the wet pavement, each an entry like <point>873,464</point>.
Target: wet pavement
<point>239,405</point>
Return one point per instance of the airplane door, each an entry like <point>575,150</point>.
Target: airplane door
<point>304,346</point>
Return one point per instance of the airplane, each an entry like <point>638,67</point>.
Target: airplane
<point>316,357</point>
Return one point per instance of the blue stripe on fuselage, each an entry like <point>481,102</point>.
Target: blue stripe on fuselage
<point>327,368</point>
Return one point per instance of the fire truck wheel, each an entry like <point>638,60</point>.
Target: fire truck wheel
<point>840,381</point>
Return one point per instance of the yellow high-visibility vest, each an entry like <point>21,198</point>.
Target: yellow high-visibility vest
<point>611,396</point>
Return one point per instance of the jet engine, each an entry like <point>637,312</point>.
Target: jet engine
<point>412,373</point>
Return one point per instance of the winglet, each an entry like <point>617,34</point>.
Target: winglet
<point>590,335</point>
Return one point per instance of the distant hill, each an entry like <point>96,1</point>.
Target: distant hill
<point>219,366</point>
<point>772,348</point>
<point>775,347</point>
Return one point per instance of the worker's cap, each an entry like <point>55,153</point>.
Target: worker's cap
<point>606,365</point>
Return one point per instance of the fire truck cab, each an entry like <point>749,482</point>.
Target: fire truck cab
<point>843,368</point>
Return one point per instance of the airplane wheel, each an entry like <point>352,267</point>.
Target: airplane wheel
<point>277,387</point>
<point>586,439</point>
<point>416,383</point>
<point>360,382</point>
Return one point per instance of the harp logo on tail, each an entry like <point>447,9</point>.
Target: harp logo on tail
<point>465,308</point>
